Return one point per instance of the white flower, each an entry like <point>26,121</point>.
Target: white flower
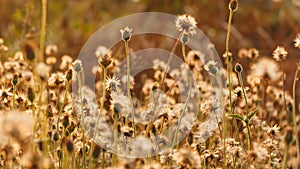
<point>112,82</point>
<point>42,70</point>
<point>126,33</point>
<point>101,51</point>
<point>297,41</point>
<point>77,65</point>
<point>186,23</point>
<point>280,53</point>
<point>266,68</point>
<point>211,67</point>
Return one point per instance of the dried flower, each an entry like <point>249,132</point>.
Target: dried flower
<point>297,41</point>
<point>253,53</point>
<point>211,67</point>
<point>42,70</point>
<point>112,82</point>
<point>126,33</point>
<point>186,23</point>
<point>266,68</point>
<point>104,56</point>
<point>77,65</point>
<point>280,54</point>
<point>51,49</point>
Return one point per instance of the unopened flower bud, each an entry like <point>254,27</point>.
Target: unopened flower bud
<point>238,68</point>
<point>69,75</point>
<point>15,80</point>
<point>289,136</point>
<point>126,33</point>
<point>233,5</point>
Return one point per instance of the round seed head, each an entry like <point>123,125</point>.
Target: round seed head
<point>238,68</point>
<point>15,80</point>
<point>289,136</point>
<point>233,5</point>
<point>69,75</point>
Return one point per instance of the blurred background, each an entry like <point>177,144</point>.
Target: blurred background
<point>262,24</point>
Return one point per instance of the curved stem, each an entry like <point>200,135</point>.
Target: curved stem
<point>229,70</point>
<point>294,109</point>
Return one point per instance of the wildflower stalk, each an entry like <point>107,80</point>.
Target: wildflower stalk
<point>244,93</point>
<point>64,101</point>
<point>229,70</point>
<point>43,29</point>
<point>288,140</point>
<point>285,156</point>
<point>114,158</point>
<point>82,120</point>
<point>128,86</point>
<point>186,102</point>
<point>103,159</point>
<point>101,108</point>
<point>294,109</point>
<point>283,93</point>
<point>247,105</point>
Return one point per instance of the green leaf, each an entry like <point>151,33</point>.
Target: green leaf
<point>236,116</point>
<point>251,114</point>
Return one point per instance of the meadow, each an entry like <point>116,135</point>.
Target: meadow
<point>227,97</point>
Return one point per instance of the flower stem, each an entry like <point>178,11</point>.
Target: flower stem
<point>82,120</point>
<point>128,86</point>
<point>283,94</point>
<point>186,102</point>
<point>285,155</point>
<point>229,70</point>
<point>43,29</point>
<point>101,108</point>
<point>114,158</point>
<point>244,93</point>
<point>294,109</point>
<point>248,136</point>
<point>63,103</point>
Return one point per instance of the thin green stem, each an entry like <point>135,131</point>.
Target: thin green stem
<point>114,160</point>
<point>248,136</point>
<point>183,52</point>
<point>244,92</point>
<point>283,94</point>
<point>294,109</point>
<point>43,29</point>
<point>229,70</point>
<point>63,103</point>
<point>285,156</point>
<point>101,108</point>
<point>103,159</point>
<point>186,102</point>
<point>82,120</point>
<point>182,114</point>
<point>128,86</point>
